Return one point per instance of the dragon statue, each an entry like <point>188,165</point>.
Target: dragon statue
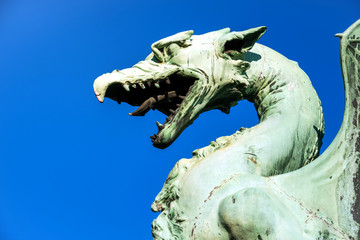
<point>264,182</point>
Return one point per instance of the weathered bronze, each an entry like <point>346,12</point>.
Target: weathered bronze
<point>265,182</point>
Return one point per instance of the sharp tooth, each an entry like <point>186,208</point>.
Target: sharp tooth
<point>182,97</point>
<point>157,84</point>
<point>172,111</point>
<point>134,85</point>
<point>178,105</point>
<point>126,86</point>
<point>168,81</point>
<point>153,136</point>
<point>148,83</point>
<point>142,85</point>
<point>159,125</point>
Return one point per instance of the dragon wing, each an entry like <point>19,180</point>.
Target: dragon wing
<point>348,191</point>
<point>330,185</point>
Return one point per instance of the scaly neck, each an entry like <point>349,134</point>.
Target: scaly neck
<point>282,92</point>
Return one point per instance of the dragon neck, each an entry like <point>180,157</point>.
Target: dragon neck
<point>284,96</point>
<point>278,87</point>
<point>269,83</point>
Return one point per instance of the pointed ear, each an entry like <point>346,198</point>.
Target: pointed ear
<point>240,42</point>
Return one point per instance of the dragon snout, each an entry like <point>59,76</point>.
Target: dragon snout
<point>98,95</point>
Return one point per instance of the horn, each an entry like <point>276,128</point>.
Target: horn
<point>158,46</point>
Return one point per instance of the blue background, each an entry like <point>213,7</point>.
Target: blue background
<point>72,168</point>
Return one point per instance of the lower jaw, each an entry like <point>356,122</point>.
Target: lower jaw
<point>162,145</point>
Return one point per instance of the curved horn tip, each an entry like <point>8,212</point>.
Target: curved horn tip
<point>187,33</point>
<point>262,28</point>
<point>339,35</point>
<point>224,30</point>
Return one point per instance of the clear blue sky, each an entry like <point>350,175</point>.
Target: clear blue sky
<point>72,168</point>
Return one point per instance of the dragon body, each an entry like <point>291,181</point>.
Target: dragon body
<point>253,184</point>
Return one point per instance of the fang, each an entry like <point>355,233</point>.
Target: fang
<point>142,85</point>
<point>126,86</point>
<point>159,125</point>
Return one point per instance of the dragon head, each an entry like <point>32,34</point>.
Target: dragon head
<point>184,76</point>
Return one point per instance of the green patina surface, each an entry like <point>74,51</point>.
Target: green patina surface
<point>265,182</point>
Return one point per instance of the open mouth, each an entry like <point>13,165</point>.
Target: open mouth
<point>166,95</point>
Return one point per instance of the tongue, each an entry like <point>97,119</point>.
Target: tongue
<point>144,107</point>
<point>151,102</point>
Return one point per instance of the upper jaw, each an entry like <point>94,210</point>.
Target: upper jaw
<point>137,76</point>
